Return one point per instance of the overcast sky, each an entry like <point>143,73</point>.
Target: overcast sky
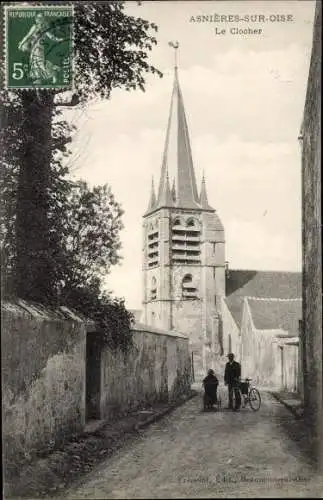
<point>244,98</point>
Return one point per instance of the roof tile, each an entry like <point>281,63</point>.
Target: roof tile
<point>241,283</point>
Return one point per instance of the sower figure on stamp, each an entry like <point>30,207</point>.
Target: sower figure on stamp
<point>40,69</point>
<point>232,375</point>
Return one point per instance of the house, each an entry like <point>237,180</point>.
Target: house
<point>257,284</point>
<point>270,342</point>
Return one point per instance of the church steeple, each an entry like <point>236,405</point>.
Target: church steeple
<point>177,152</point>
<point>183,246</point>
<point>203,196</point>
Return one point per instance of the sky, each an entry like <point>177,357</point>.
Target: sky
<point>244,97</point>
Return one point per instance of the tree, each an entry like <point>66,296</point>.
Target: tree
<point>59,187</point>
<point>113,321</point>
<point>90,239</point>
<point>118,58</point>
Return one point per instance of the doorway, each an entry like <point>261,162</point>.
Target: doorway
<point>93,376</point>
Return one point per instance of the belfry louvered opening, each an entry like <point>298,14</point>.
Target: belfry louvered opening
<point>153,290</point>
<point>185,244</point>
<point>153,247</point>
<point>189,290</point>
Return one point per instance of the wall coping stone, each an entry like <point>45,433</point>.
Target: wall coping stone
<point>38,311</point>
<point>141,327</point>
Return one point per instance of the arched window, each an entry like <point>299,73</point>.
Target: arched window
<point>189,290</point>
<point>191,223</point>
<point>153,290</point>
<point>177,222</point>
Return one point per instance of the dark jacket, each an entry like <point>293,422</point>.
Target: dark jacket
<point>232,372</point>
<point>211,383</point>
<point>210,379</point>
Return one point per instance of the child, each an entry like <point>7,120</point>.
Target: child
<point>210,383</point>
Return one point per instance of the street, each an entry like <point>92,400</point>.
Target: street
<point>191,453</point>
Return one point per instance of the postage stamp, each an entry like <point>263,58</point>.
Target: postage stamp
<point>39,47</point>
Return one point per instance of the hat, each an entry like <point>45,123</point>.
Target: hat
<point>230,355</point>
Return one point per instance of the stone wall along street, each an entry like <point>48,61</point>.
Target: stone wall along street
<point>53,383</point>
<point>43,378</point>
<point>158,368</point>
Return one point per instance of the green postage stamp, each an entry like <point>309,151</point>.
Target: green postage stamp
<point>39,47</point>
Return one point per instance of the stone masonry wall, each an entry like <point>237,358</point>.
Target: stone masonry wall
<point>157,370</point>
<point>260,354</point>
<point>43,377</point>
<point>230,328</point>
<point>312,249</point>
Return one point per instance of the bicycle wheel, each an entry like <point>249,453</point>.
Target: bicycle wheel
<point>244,400</point>
<point>254,399</point>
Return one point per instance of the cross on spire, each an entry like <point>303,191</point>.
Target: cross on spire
<point>175,46</point>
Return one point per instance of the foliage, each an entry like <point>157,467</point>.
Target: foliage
<point>92,222</point>
<point>111,317</point>
<point>118,58</point>
<point>58,239</point>
<point>58,189</point>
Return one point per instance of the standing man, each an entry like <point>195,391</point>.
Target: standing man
<point>232,375</point>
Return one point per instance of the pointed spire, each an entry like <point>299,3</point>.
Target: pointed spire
<point>152,201</point>
<point>187,190</point>
<point>166,199</point>
<point>203,197</point>
<point>187,196</point>
<point>174,191</point>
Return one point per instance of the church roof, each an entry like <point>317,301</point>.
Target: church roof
<point>272,314</point>
<point>260,284</point>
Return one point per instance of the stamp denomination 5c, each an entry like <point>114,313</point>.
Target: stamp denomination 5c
<point>39,47</point>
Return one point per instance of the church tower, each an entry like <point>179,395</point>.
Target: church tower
<point>183,247</point>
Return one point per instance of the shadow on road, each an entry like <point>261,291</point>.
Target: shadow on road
<point>298,433</point>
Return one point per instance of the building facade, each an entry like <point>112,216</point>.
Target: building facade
<point>183,248</point>
<point>312,242</point>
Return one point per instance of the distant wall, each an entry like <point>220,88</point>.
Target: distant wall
<point>260,354</point>
<point>269,357</point>
<point>43,376</point>
<point>231,338</point>
<point>290,365</point>
<point>157,369</point>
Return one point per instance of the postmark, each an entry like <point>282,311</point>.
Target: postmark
<point>39,47</point>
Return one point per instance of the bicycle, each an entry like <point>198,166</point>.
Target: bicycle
<point>249,394</point>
